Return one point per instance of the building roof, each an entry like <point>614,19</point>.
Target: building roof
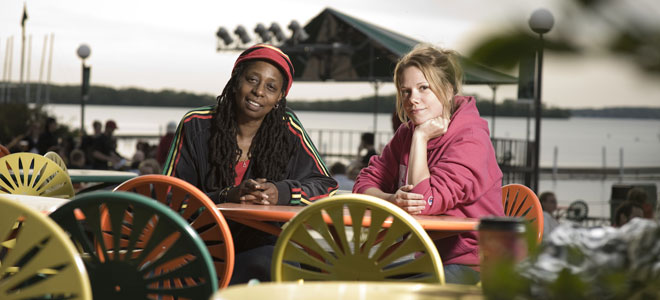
<point>343,48</point>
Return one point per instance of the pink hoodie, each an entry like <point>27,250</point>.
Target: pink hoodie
<point>465,178</point>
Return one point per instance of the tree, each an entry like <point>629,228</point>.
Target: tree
<point>624,28</point>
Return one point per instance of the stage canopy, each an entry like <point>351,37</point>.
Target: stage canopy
<point>344,48</point>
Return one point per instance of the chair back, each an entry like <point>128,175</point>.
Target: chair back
<point>27,173</point>
<point>57,159</point>
<point>520,201</point>
<point>198,210</point>
<point>147,251</point>
<point>4,151</point>
<point>354,237</point>
<point>37,258</point>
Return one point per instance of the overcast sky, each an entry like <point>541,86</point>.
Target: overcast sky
<point>156,44</point>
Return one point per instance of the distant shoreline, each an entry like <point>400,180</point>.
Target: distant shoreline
<point>485,115</point>
<point>102,95</point>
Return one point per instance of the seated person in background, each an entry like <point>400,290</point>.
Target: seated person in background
<point>639,196</point>
<point>353,170</point>
<point>249,148</point>
<point>441,162</point>
<point>77,159</point>
<point>549,204</point>
<point>26,142</point>
<point>149,166</point>
<point>138,157</point>
<point>626,211</point>
<point>366,146</point>
<point>104,150</point>
<point>338,171</point>
<point>165,143</point>
<point>49,138</point>
<point>88,141</point>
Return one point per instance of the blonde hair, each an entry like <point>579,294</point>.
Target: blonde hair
<point>442,70</point>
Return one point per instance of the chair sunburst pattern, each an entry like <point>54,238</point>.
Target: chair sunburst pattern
<point>137,248</point>
<point>37,259</point>
<point>520,201</point>
<point>57,159</point>
<point>32,174</point>
<point>198,210</point>
<point>316,245</point>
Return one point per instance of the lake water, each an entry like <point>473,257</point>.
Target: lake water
<point>579,141</point>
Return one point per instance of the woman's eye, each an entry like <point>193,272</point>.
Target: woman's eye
<point>271,87</point>
<point>423,87</point>
<point>405,92</point>
<point>252,79</point>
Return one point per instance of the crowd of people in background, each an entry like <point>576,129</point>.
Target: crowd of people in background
<point>97,150</point>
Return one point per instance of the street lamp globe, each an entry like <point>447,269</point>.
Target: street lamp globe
<point>84,51</point>
<point>541,21</point>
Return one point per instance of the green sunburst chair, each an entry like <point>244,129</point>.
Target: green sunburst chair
<point>136,248</point>
<point>196,208</point>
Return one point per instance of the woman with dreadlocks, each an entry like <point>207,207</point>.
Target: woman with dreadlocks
<point>250,148</point>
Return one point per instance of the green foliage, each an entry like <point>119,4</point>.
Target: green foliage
<point>102,95</point>
<point>366,104</point>
<point>633,35</point>
<point>504,50</point>
<point>502,282</point>
<point>568,286</point>
<point>619,112</point>
<point>386,104</point>
<point>514,108</point>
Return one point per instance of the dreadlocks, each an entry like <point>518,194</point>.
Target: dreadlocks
<point>270,149</point>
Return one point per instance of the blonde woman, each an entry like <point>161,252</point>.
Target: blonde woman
<point>441,160</point>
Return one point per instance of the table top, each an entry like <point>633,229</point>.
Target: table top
<point>282,213</point>
<point>349,290</point>
<point>42,204</point>
<point>108,176</point>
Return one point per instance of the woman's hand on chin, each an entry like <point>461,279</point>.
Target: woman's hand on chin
<point>432,128</point>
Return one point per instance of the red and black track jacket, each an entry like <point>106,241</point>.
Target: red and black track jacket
<point>307,178</point>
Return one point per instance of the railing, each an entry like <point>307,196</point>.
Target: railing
<point>342,145</point>
<point>513,156</point>
<point>515,160</point>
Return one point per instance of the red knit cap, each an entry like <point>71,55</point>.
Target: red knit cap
<point>272,54</point>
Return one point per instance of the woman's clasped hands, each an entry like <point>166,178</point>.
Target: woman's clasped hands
<point>256,191</point>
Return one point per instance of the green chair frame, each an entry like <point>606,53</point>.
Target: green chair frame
<point>136,248</point>
<point>520,201</point>
<point>27,173</point>
<point>37,258</point>
<point>314,245</point>
<point>198,210</point>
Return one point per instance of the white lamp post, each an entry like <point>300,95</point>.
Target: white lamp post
<point>540,22</point>
<point>83,52</point>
